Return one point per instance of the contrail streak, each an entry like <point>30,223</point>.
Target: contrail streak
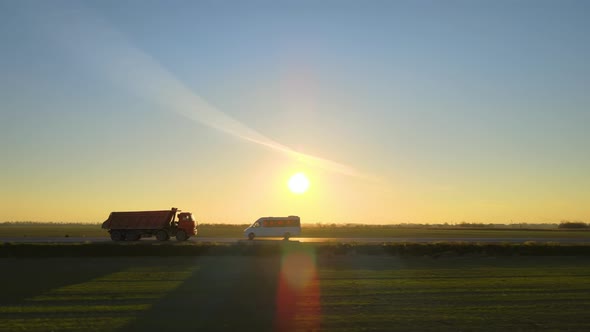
<point>109,53</point>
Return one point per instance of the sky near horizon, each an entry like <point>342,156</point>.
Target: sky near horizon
<point>397,111</point>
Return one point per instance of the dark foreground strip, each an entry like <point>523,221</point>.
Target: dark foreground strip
<point>441,249</point>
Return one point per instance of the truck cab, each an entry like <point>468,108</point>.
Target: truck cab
<point>187,223</point>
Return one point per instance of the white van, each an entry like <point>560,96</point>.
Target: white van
<point>274,227</point>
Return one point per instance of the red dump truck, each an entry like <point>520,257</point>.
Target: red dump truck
<point>133,225</point>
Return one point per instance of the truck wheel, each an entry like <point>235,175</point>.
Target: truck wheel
<point>117,236</point>
<point>251,236</point>
<point>181,236</point>
<point>162,236</point>
<point>287,236</point>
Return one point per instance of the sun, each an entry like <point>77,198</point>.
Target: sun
<point>298,183</point>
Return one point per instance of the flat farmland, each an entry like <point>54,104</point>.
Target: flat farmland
<point>297,289</point>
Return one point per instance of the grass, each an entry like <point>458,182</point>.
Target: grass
<point>94,296</point>
<point>22,230</point>
<point>297,290</point>
<point>463,294</point>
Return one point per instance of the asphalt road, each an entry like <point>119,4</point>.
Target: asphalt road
<point>303,239</point>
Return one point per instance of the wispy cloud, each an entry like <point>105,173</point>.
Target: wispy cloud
<point>108,53</point>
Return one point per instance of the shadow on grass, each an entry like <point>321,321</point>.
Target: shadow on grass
<point>101,301</point>
<point>25,278</point>
<point>224,293</point>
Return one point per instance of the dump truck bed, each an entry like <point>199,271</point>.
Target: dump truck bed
<point>139,220</point>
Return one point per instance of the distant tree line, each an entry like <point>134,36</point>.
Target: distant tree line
<point>573,225</point>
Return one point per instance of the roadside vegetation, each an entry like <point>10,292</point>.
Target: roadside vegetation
<point>275,248</point>
<point>442,231</point>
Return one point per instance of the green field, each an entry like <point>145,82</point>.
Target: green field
<point>298,289</point>
<point>220,230</point>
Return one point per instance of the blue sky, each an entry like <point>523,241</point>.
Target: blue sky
<point>457,110</point>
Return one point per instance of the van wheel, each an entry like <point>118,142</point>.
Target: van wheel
<point>251,236</point>
<point>117,236</point>
<point>287,236</point>
<point>162,236</point>
<point>181,236</point>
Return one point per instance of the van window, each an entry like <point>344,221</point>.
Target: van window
<point>282,223</point>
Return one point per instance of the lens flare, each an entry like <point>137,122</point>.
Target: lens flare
<point>298,293</point>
